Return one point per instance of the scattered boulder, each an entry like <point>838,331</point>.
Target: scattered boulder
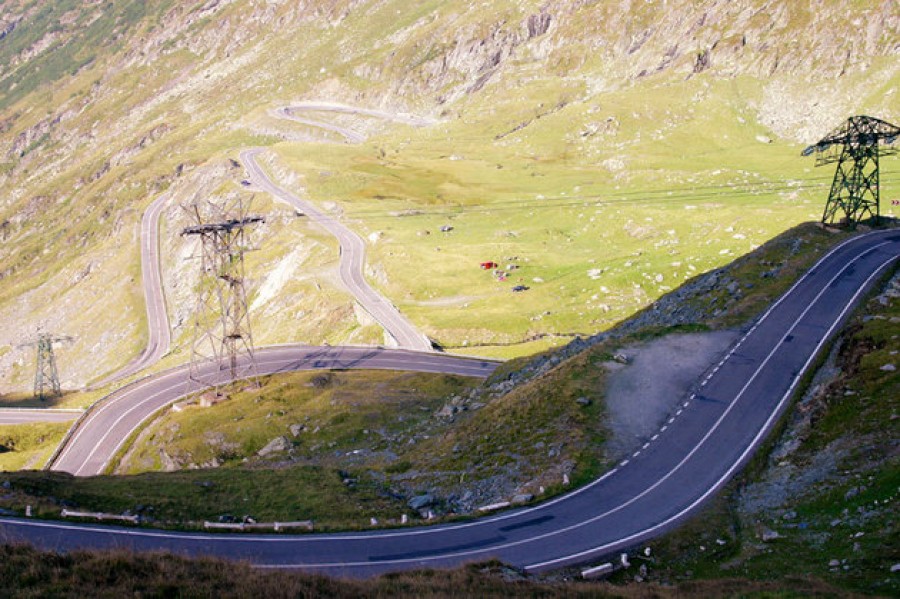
<point>768,535</point>
<point>583,401</point>
<point>447,411</point>
<point>296,429</point>
<point>888,368</point>
<point>521,498</point>
<point>276,445</point>
<point>421,501</point>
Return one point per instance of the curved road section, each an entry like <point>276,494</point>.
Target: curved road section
<point>353,257</point>
<point>352,261</point>
<point>107,426</point>
<point>159,334</point>
<point>708,438</point>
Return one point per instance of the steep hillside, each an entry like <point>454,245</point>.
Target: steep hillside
<point>615,148</point>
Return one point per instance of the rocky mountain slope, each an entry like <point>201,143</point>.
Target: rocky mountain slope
<point>105,106</point>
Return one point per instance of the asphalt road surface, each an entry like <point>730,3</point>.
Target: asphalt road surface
<point>352,260</point>
<point>26,415</point>
<point>353,257</point>
<point>109,423</point>
<point>708,438</point>
<point>159,331</point>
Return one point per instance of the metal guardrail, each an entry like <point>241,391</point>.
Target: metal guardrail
<point>276,526</point>
<point>99,516</point>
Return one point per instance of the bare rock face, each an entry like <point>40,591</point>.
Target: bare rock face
<point>538,24</point>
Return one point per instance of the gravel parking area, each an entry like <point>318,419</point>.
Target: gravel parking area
<point>641,394</point>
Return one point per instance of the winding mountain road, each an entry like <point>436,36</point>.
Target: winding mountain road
<point>352,259</point>
<point>159,334</point>
<point>707,439</point>
<point>352,262</point>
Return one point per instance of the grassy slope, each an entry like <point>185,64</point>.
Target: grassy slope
<point>341,414</point>
<point>29,446</point>
<point>683,203</point>
<point>172,68</point>
<point>25,572</point>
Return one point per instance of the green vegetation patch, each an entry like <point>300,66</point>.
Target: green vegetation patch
<point>186,499</point>
<point>596,225</point>
<point>28,446</point>
<point>330,418</point>
<point>535,434</point>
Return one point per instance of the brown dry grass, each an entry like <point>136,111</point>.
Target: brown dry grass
<point>27,572</point>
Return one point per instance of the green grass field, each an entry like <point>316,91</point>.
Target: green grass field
<point>29,446</point>
<point>596,228</point>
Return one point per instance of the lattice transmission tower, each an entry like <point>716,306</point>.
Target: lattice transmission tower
<point>855,146</point>
<point>46,376</point>
<point>222,334</point>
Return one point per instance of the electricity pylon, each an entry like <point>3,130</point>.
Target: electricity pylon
<point>854,146</point>
<point>46,376</point>
<point>221,317</point>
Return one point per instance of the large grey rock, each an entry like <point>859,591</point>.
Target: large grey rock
<point>447,411</point>
<point>421,501</point>
<point>769,535</point>
<point>276,445</point>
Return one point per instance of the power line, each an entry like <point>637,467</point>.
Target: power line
<point>222,333</point>
<point>46,376</point>
<point>854,147</point>
<point>657,196</point>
